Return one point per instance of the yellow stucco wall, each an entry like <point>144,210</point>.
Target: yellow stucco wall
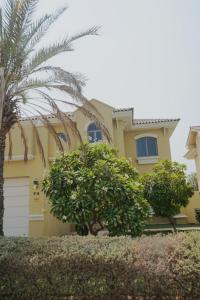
<point>34,169</point>
<point>189,210</point>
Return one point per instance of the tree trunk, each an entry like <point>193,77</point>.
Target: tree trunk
<point>2,154</point>
<point>173,223</point>
<point>95,227</point>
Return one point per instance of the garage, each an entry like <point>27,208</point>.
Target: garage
<point>16,214</point>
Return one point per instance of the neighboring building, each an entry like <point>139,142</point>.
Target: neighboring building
<point>143,141</point>
<point>193,146</point>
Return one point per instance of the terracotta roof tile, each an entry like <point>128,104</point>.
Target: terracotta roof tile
<point>49,116</point>
<point>123,109</point>
<point>152,121</point>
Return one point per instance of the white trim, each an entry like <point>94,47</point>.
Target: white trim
<point>145,135</point>
<point>36,217</point>
<point>147,160</point>
<point>19,157</point>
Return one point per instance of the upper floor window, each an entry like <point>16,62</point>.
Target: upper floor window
<point>94,133</point>
<point>147,146</point>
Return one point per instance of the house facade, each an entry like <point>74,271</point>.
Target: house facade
<point>27,212</point>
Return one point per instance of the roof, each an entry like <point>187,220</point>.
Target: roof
<point>192,132</point>
<point>123,109</point>
<point>49,116</point>
<point>195,128</point>
<point>120,113</point>
<point>152,121</point>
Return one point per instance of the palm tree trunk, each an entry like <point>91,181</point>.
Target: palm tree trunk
<point>2,154</point>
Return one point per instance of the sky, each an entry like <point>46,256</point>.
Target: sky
<point>147,56</point>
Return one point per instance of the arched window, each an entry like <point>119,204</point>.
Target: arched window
<point>147,146</point>
<point>94,133</point>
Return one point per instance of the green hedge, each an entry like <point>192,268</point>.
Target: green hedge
<point>153,267</point>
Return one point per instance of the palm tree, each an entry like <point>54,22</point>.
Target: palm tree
<point>28,80</point>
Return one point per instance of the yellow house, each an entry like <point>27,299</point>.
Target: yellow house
<point>27,212</point>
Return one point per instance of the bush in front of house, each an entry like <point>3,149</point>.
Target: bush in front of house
<point>93,188</point>
<point>155,267</point>
<point>167,189</point>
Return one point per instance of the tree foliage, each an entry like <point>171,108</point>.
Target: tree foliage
<point>93,188</point>
<point>167,189</point>
<point>192,179</point>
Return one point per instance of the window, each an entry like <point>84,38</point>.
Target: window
<point>62,136</point>
<point>94,133</point>
<point>147,146</point>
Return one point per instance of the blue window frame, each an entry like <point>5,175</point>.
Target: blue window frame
<point>147,146</point>
<point>94,133</point>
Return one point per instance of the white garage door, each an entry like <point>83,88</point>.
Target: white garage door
<point>16,203</point>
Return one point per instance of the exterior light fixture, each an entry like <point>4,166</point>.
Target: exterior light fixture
<point>35,185</point>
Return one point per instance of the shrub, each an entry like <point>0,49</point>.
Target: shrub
<point>93,188</point>
<point>101,268</point>
<point>167,190</point>
<point>197,214</point>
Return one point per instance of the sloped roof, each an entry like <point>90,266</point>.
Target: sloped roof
<point>152,121</point>
<point>195,128</point>
<point>49,116</point>
<point>192,132</point>
<point>123,109</point>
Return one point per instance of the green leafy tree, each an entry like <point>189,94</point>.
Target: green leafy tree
<point>28,78</point>
<point>93,188</point>
<point>167,189</point>
<point>192,179</point>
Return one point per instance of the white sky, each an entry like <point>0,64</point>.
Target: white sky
<point>147,57</point>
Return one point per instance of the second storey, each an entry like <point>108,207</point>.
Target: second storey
<point>143,141</point>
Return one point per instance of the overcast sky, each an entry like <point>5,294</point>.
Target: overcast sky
<point>147,57</point>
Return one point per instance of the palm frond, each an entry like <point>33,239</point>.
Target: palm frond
<point>65,120</point>
<point>38,141</point>
<point>91,31</point>
<point>47,53</point>
<point>1,35</point>
<point>60,75</point>
<point>17,17</point>
<point>24,140</point>
<point>39,28</point>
